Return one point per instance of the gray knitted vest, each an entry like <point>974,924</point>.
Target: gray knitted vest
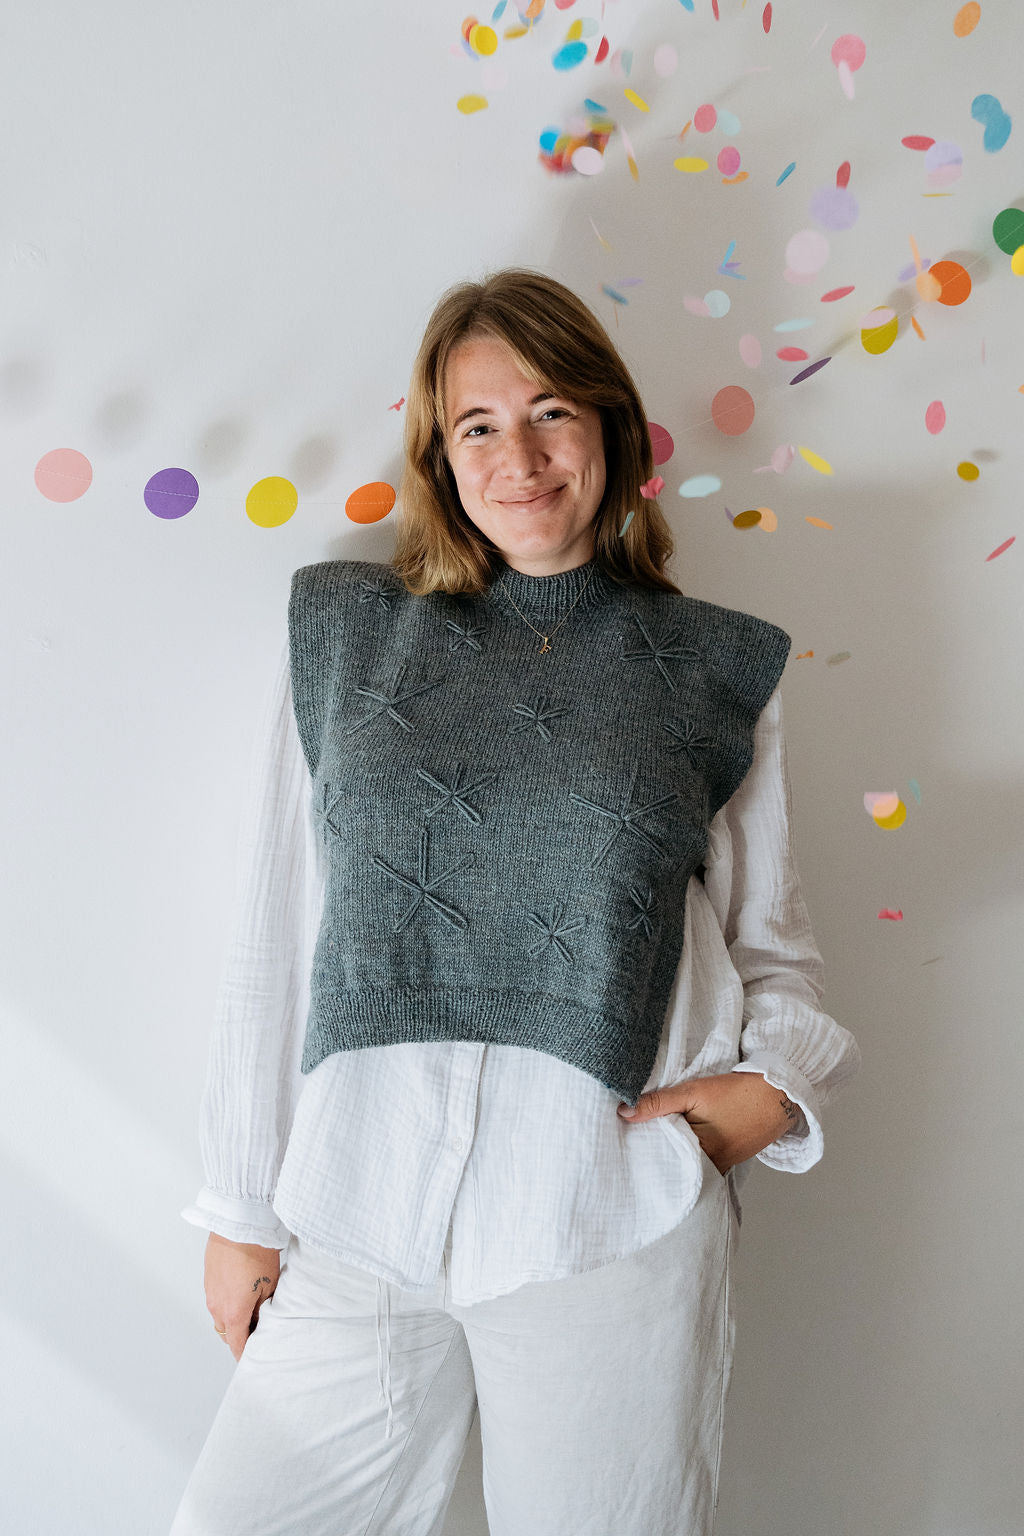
<point>508,834</point>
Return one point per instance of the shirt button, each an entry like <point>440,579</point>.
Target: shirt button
<point>458,1144</point>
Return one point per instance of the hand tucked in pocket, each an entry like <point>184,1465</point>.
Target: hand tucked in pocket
<point>734,1115</point>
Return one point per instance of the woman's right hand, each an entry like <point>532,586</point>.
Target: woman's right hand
<point>238,1278</point>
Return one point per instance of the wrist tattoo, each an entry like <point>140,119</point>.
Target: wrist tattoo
<point>789,1108</point>
<point>263,1280</point>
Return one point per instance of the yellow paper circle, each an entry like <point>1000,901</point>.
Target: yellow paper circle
<point>1017,261</point>
<point>483,40</point>
<point>271,502</point>
<point>880,337</point>
<point>967,470</point>
<point>469,104</point>
<point>897,818</point>
<point>690,163</point>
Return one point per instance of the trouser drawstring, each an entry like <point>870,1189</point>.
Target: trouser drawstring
<point>384,1355</point>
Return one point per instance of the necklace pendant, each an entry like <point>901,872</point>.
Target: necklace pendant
<point>544,647</point>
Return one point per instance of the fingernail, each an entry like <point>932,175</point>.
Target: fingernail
<point>626,1112</point>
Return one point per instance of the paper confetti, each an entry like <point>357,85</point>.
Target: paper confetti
<point>897,917</point>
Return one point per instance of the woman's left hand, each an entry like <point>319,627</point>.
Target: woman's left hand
<point>734,1115</point>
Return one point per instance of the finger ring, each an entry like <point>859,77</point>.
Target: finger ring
<point>220,1330</point>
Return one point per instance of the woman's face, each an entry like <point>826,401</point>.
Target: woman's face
<point>530,472</point>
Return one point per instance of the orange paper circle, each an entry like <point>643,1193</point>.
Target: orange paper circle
<point>370,502</point>
<point>732,410</point>
<point>955,280</point>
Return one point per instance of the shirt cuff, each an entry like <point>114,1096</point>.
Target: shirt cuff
<point>240,1219</point>
<point>796,1151</point>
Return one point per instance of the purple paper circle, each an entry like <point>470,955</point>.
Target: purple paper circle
<point>834,207</point>
<point>171,493</point>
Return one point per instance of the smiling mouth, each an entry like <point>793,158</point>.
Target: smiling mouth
<point>543,496</point>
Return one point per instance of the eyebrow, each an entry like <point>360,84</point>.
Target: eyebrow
<point>487,410</point>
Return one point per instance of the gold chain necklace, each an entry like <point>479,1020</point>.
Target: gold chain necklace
<point>546,638</point>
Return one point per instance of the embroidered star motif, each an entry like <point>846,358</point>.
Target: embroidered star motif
<point>646,905</point>
<point>425,887</point>
<point>535,716</point>
<point>389,701</point>
<point>625,819</point>
<point>656,652</point>
<point>378,588</point>
<point>464,634</point>
<point>326,809</point>
<point>456,794</point>
<point>552,928</point>
<point>688,739</point>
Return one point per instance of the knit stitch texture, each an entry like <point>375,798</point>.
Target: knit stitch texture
<point>508,835</point>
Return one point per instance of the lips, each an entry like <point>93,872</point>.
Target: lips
<point>528,501</point>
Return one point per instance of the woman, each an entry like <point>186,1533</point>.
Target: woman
<point>517,854</point>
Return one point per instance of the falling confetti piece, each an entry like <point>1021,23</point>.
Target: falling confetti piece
<point>819,522</point>
<point>732,410</point>
<point>803,656</point>
<point>691,164</point>
<point>792,355</point>
<point>897,917</point>
<point>838,658</point>
<point>790,168</point>
<point>469,104</point>
<point>700,485</point>
<point>637,101</point>
<point>897,818</point>
<point>850,50</point>
<point>728,122</point>
<point>766,18</point>
<point>807,252</point>
<point>666,60</point>
<point>881,802</point>
<point>588,161</point>
<point>917,141</point>
<point>728,161</point>
<point>370,503</point>
<point>661,443</point>
<point>1002,548</point>
<point>705,118</point>
<point>966,19</point>
<point>935,417</point>
<point>769,522</point>
<point>718,303</point>
<point>569,55</point>
<point>782,457</point>
<point>483,40</point>
<point>835,208</point>
<point>750,350</point>
<point>748,519</point>
<point>988,110</point>
<point>652,488</point>
<point>626,524</point>
<point>915,790</point>
<point>806,374</point>
<point>618,297</point>
<point>792,325</point>
<point>968,471</point>
<point>816,461</point>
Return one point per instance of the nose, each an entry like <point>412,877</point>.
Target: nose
<point>521,453</point>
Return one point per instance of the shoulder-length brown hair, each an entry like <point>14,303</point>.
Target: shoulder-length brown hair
<point>562,348</point>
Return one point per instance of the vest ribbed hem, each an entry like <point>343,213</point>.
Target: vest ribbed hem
<point>616,1052</point>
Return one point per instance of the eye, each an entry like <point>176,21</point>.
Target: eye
<point>554,410</point>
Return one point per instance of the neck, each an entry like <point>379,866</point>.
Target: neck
<point>584,586</point>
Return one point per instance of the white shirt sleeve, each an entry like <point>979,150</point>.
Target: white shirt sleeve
<point>752,883</point>
<point>253,1076</point>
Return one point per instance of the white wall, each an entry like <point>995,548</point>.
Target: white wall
<point>222,231</point>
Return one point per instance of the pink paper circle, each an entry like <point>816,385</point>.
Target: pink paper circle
<point>935,416</point>
<point>661,443</point>
<point>849,50</point>
<point>806,252</point>
<point>732,410</point>
<point>63,474</point>
<point>750,350</point>
<point>705,118</point>
<point>728,161</point>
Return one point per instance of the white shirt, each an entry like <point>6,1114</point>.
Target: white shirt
<point>371,1155</point>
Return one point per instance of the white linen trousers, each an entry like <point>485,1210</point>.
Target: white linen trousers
<point>601,1398</point>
